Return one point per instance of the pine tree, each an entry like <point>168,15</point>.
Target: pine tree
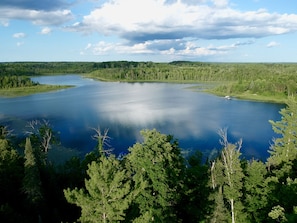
<point>283,158</point>
<point>31,181</point>
<point>194,204</point>
<point>282,163</point>
<point>257,190</point>
<point>106,197</point>
<point>156,164</point>
<point>11,173</point>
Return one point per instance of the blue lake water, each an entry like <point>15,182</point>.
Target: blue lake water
<point>194,118</point>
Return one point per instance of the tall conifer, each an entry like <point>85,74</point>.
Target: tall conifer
<point>106,197</point>
<point>156,163</point>
<point>31,181</point>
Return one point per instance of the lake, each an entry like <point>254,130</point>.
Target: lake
<point>194,118</point>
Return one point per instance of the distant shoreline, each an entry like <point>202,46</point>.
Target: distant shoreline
<point>25,91</point>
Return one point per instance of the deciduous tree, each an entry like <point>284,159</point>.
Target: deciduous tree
<point>227,177</point>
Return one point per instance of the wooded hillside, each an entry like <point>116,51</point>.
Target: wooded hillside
<point>257,81</point>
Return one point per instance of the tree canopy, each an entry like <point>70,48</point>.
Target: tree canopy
<point>154,182</point>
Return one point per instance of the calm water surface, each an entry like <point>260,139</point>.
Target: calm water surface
<point>125,108</point>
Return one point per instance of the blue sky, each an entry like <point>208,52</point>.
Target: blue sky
<point>148,30</point>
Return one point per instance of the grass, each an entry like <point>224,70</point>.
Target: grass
<point>24,91</point>
<point>208,87</point>
<point>281,99</point>
<point>211,88</point>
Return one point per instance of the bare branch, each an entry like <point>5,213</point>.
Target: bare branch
<point>213,175</point>
<point>33,126</point>
<point>42,130</point>
<point>5,132</point>
<point>103,140</point>
<point>223,134</point>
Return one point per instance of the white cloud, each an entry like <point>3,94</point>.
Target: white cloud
<point>173,48</point>
<point>41,17</point>
<point>45,5</point>
<point>45,31</point>
<point>147,20</point>
<point>272,44</point>
<point>19,35</point>
<point>88,46</point>
<point>20,43</point>
<point>4,23</point>
<point>220,3</point>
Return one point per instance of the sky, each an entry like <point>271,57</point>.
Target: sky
<point>148,30</point>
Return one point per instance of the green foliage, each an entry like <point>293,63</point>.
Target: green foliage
<point>194,203</point>
<point>227,178</point>
<point>278,214</point>
<point>152,183</point>
<point>23,91</point>
<point>11,173</point>
<point>282,160</point>
<point>4,132</point>
<point>42,137</point>
<point>257,191</point>
<point>31,181</point>
<point>39,68</point>
<point>257,81</point>
<point>7,82</point>
<point>107,192</point>
<point>157,164</point>
<point>271,82</point>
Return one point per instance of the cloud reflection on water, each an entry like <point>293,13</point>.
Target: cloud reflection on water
<point>125,108</point>
<point>141,105</point>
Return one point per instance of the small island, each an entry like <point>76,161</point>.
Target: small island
<point>14,86</point>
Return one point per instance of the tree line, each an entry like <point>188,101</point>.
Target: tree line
<point>276,80</point>
<point>270,79</point>
<point>13,81</point>
<point>154,182</point>
<point>41,68</point>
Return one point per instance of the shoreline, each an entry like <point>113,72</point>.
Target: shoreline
<point>43,88</point>
<point>25,91</point>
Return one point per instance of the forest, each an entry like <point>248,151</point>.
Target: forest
<point>155,181</point>
<point>273,82</point>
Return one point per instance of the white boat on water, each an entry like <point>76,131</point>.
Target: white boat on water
<point>228,97</point>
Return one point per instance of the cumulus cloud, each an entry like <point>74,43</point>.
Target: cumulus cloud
<point>272,44</point>
<point>174,48</point>
<point>147,20</point>
<point>220,3</point>
<point>45,12</point>
<point>45,31</point>
<point>18,35</point>
<point>46,5</point>
<point>57,17</point>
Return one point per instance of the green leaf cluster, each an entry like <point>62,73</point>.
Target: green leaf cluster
<point>155,182</point>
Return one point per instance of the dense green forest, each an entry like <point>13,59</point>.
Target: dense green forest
<point>257,81</point>
<point>268,82</point>
<point>44,68</point>
<point>154,182</point>
<point>13,81</point>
